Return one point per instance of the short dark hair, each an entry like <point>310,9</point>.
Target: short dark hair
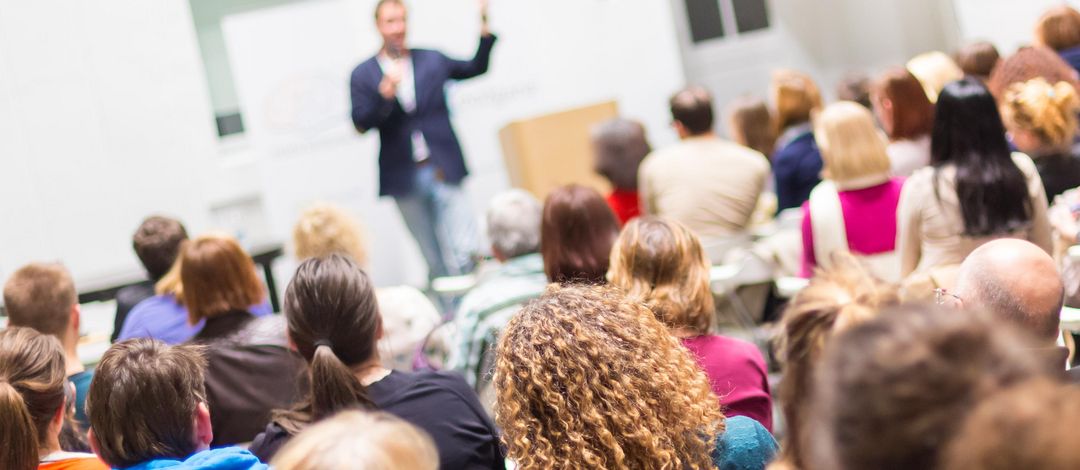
<point>142,400</point>
<point>577,231</point>
<point>157,242</point>
<point>978,59</point>
<point>1059,28</point>
<point>40,296</point>
<point>692,107</point>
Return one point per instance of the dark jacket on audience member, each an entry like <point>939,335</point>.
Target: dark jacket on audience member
<point>440,403</point>
<point>250,372</point>
<point>370,110</point>
<point>126,299</point>
<point>797,169</point>
<point>1059,172</point>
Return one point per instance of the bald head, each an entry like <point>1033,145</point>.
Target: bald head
<point>1014,280</point>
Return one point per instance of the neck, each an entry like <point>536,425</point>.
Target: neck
<point>703,135</point>
<point>370,371</point>
<point>683,332</point>
<point>52,444</point>
<point>72,362</point>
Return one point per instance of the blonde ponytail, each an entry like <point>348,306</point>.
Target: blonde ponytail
<point>1048,111</point>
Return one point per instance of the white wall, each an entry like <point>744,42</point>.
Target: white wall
<point>1009,24</point>
<point>104,119</point>
<point>292,65</point>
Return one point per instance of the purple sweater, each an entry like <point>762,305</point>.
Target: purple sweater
<point>869,222</point>
<point>737,373</point>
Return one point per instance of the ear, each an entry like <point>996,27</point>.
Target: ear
<point>379,332</point>
<point>886,104</point>
<point>204,432</point>
<point>289,341</point>
<point>74,321</point>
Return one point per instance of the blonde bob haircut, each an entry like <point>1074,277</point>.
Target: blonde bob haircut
<point>795,96</point>
<point>370,440</point>
<point>661,263</point>
<point>851,146</point>
<point>324,229</point>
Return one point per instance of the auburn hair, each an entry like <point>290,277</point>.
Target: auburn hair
<point>217,276</point>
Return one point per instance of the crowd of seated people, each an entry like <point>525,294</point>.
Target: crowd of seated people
<point>928,335</point>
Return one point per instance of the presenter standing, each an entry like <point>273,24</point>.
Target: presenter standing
<point>400,92</point>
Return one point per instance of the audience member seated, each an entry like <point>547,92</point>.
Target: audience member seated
<point>1017,282</point>
<point>165,318</point>
<point>750,124</point>
<point>250,369</point>
<point>35,402</point>
<point>619,146</point>
<point>973,192</point>
<point>1041,119</point>
<point>978,59</point>
<point>1028,63</point>
<point>907,117</point>
<point>148,410</point>
<point>408,315</point>
<point>661,263</point>
<point>797,162</point>
<point>704,182</point>
<point>934,70</point>
<point>854,87</point>
<point>854,209</point>
<point>836,299</point>
<point>1059,29</point>
<point>334,323</point>
<point>577,230</point>
<point>1022,427</point>
<point>894,390</point>
<point>513,226</point>
<point>42,296</point>
<point>156,243</point>
<point>588,378</point>
<point>355,439</point>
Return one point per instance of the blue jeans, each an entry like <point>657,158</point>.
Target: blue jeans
<point>440,219</point>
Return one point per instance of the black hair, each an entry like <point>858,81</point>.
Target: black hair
<point>969,134</point>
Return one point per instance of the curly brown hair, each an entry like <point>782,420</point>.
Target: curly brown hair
<point>588,378</point>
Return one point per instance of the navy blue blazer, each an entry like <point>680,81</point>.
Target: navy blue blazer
<point>797,168</point>
<point>431,70</point>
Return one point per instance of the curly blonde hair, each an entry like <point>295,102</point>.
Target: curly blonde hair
<point>324,229</point>
<point>587,378</point>
<point>661,263</point>
<point>836,299</point>
<point>1047,111</point>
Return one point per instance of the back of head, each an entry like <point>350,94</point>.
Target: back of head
<point>978,59</point>
<point>1045,110</point>
<point>910,112</point>
<point>969,134</point>
<point>851,146</point>
<point>157,244</point>
<point>1022,427</point>
<point>934,70</point>
<point>577,231</point>
<point>218,277</point>
<point>143,399</point>
<point>836,299</point>
<point>692,107</point>
<point>1058,28</point>
<point>892,391</point>
<point>373,441</point>
<point>32,384</point>
<point>1028,63</point>
<point>854,87</point>
<point>751,124</point>
<point>40,296</point>
<point>334,322</point>
<point>1017,281</point>
<point>620,145</point>
<point>661,263</point>
<point>588,378</point>
<point>325,228</point>
<point>795,97</point>
<point>513,223</point>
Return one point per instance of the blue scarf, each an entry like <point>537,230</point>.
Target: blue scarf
<point>225,458</point>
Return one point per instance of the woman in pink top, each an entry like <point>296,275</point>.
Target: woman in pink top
<point>854,208</point>
<point>661,263</point>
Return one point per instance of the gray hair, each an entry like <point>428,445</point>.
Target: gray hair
<point>513,223</point>
<point>620,145</point>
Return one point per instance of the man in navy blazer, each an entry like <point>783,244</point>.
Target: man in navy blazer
<point>400,92</point>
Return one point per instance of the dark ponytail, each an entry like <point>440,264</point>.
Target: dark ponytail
<point>17,431</point>
<point>334,322</point>
<point>32,381</point>
<point>968,132</point>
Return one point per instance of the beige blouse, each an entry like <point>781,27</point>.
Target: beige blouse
<point>929,232</point>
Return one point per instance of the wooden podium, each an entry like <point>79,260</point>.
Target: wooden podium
<point>546,152</point>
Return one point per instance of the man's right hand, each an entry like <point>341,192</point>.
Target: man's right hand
<point>388,85</point>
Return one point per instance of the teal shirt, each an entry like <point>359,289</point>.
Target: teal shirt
<point>81,381</point>
<point>745,445</point>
